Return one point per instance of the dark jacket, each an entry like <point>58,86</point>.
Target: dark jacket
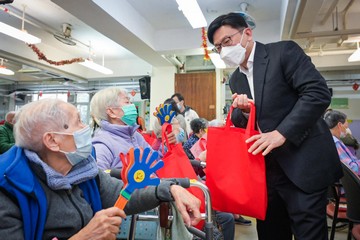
<point>6,137</point>
<point>291,96</point>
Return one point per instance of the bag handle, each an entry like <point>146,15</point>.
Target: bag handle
<point>251,121</point>
<point>166,128</point>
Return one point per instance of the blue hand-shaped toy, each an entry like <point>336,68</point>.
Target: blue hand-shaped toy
<point>164,113</point>
<point>139,173</point>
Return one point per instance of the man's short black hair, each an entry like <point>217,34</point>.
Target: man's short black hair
<point>235,20</point>
<point>179,96</point>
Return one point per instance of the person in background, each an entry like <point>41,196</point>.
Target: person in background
<point>290,96</point>
<point>141,122</point>
<point>117,133</point>
<point>199,128</point>
<point>338,125</point>
<point>7,139</point>
<point>178,115</point>
<point>188,113</point>
<point>53,189</point>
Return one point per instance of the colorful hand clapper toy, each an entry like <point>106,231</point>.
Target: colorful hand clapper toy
<point>138,172</point>
<point>164,113</point>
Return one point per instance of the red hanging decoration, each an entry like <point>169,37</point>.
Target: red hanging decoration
<point>355,86</point>
<point>42,56</point>
<point>204,44</point>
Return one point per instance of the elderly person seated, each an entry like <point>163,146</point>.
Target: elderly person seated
<point>51,187</point>
<point>117,133</point>
<point>337,123</point>
<point>6,133</point>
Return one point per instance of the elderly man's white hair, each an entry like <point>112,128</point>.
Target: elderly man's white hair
<point>107,97</point>
<point>36,118</point>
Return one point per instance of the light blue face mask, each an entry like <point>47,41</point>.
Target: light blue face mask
<point>180,137</point>
<point>82,139</point>
<point>130,114</point>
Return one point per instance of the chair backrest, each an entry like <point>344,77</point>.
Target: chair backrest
<point>351,184</point>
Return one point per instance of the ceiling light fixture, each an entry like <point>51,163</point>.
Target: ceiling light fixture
<point>216,60</point>
<point>3,69</point>
<point>192,12</point>
<point>94,66</point>
<point>356,55</point>
<point>22,35</point>
<point>89,63</point>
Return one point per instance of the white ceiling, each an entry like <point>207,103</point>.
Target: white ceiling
<point>133,35</point>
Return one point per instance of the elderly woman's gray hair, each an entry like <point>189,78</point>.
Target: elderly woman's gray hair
<point>107,97</point>
<point>36,118</point>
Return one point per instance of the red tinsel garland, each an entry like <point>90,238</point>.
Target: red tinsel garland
<point>204,44</point>
<point>42,56</point>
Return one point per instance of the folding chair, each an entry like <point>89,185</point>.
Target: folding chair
<point>336,208</point>
<point>351,184</point>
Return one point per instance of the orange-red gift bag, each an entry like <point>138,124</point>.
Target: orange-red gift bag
<point>236,179</point>
<point>176,162</point>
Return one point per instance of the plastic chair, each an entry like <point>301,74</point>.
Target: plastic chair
<point>336,208</point>
<point>351,184</point>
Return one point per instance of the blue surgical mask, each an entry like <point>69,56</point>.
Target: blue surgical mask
<point>82,139</point>
<point>180,137</point>
<point>130,114</point>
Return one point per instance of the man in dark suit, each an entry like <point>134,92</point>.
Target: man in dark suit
<point>290,96</point>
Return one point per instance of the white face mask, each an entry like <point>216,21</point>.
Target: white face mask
<point>233,56</point>
<point>82,139</point>
<point>348,131</point>
<point>342,134</point>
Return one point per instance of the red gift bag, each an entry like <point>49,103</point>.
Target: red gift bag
<point>176,162</point>
<point>177,165</point>
<point>236,179</point>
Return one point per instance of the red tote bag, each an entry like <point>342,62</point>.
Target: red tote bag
<point>236,179</point>
<point>176,162</point>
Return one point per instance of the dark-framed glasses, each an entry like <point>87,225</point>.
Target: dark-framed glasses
<point>227,41</point>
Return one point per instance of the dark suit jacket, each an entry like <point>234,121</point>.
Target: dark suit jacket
<point>291,96</point>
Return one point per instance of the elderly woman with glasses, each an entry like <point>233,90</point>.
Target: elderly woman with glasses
<point>51,187</point>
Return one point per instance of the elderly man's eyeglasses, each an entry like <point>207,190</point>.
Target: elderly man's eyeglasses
<point>225,42</point>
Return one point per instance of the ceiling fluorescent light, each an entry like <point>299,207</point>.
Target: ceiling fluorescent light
<point>216,60</point>
<point>356,55</point>
<point>6,71</point>
<point>94,66</point>
<point>192,12</point>
<point>18,34</point>
<point>3,69</point>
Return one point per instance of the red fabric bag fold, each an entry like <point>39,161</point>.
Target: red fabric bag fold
<point>236,179</point>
